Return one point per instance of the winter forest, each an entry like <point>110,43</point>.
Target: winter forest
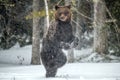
<point>24,23</point>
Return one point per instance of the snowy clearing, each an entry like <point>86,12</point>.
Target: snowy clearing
<point>17,55</point>
<point>75,71</point>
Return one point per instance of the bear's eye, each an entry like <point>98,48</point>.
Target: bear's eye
<point>60,14</point>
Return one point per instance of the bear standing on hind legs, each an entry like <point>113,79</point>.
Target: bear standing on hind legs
<point>59,35</point>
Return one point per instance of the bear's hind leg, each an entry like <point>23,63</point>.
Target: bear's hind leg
<point>60,60</point>
<point>51,72</point>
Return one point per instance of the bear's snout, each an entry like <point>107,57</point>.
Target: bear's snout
<point>63,17</point>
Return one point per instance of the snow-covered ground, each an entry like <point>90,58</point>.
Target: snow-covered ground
<point>74,71</point>
<point>16,55</point>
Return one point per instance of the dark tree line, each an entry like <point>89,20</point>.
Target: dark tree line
<point>14,27</point>
<point>114,27</point>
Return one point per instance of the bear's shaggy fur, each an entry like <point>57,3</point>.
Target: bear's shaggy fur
<point>59,32</point>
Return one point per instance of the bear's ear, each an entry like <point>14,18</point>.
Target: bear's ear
<point>56,7</point>
<point>68,6</point>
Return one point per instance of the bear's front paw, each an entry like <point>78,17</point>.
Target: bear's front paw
<point>65,45</point>
<point>75,43</point>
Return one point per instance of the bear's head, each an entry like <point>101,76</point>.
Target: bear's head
<point>63,13</point>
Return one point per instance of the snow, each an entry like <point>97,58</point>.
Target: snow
<point>18,66</point>
<point>16,55</point>
<point>74,71</point>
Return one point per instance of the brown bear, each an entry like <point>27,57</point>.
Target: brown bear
<point>59,35</point>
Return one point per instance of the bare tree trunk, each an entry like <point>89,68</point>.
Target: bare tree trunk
<point>47,16</point>
<point>36,35</point>
<point>100,30</point>
<point>70,55</point>
<point>79,20</point>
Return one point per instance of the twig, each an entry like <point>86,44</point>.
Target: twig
<point>83,14</point>
<point>109,21</point>
<point>2,17</point>
<point>111,57</point>
<point>116,26</point>
<point>77,24</point>
<point>59,2</point>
